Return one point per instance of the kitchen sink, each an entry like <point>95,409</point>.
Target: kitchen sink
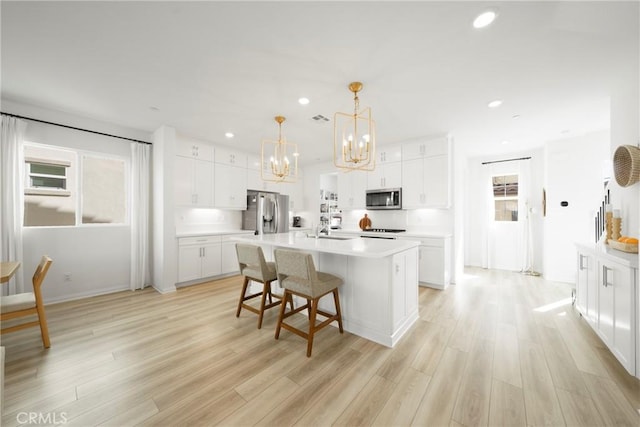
<point>324,236</point>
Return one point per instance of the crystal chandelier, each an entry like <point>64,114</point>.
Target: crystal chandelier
<point>276,165</point>
<point>354,138</point>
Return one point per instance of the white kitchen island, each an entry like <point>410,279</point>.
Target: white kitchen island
<point>379,297</point>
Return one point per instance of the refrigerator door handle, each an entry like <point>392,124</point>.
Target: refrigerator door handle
<point>260,215</point>
<point>276,215</point>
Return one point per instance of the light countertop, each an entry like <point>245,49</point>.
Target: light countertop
<point>432,234</point>
<point>368,248</point>
<point>625,258</point>
<point>211,233</point>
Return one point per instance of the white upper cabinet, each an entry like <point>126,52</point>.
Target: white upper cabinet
<point>193,182</point>
<point>230,157</point>
<point>388,170</point>
<point>230,179</point>
<point>385,175</point>
<point>426,174</point>
<point>352,187</point>
<point>388,154</point>
<point>189,147</point>
<point>230,186</point>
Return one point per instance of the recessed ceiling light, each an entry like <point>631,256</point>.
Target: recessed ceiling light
<point>229,135</point>
<point>564,131</point>
<point>495,104</point>
<point>515,116</point>
<point>505,142</point>
<point>484,19</point>
<point>303,101</point>
<point>154,108</point>
<point>296,154</point>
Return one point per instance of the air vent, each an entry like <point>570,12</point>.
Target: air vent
<point>320,118</point>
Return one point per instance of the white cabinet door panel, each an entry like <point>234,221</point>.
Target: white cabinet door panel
<point>189,263</point>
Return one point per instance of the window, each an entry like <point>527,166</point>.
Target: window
<point>46,176</point>
<point>103,191</point>
<point>505,196</point>
<point>68,188</point>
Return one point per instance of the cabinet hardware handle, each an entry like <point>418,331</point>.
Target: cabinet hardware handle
<point>605,276</point>
<point>397,268</point>
<point>582,267</point>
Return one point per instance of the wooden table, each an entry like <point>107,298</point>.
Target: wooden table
<point>7,270</point>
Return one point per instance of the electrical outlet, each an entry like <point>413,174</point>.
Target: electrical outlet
<point>67,277</point>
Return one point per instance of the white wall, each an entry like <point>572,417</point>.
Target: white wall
<point>574,173</point>
<point>96,256</point>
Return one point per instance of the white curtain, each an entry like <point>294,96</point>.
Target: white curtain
<point>487,215</point>
<point>140,202</point>
<point>12,206</point>
<point>524,217</point>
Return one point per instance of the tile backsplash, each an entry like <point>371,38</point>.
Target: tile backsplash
<point>202,219</point>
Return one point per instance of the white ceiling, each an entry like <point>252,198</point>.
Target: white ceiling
<point>213,67</point>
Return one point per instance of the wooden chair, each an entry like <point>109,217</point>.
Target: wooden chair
<point>298,276</point>
<point>254,267</point>
<point>28,304</point>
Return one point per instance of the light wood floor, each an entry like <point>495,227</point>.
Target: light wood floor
<point>484,352</point>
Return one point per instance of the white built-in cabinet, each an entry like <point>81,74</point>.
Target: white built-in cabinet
<point>193,183</point>
<point>198,257</point>
<point>203,257</point>
<point>230,189</point>
<point>352,187</point>
<point>426,174</point>
<point>607,297</point>
<point>434,261</point>
<point>218,177</point>
<point>388,170</point>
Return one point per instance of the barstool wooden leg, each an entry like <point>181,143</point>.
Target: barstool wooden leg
<point>263,300</point>
<point>283,306</point>
<point>313,310</point>
<point>242,293</point>
<point>336,300</point>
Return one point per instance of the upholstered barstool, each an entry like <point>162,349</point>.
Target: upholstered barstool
<point>254,267</point>
<point>297,274</point>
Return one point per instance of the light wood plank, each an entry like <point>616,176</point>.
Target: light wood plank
<point>506,360</point>
<point>472,403</point>
<point>366,406</point>
<point>439,400</point>
<point>610,402</point>
<point>507,405</point>
<point>405,399</point>
<point>578,410</point>
<point>540,398</point>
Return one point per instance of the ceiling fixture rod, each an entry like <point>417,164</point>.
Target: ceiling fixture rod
<point>74,128</point>
<point>506,160</point>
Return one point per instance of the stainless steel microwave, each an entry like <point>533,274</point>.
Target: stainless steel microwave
<point>388,198</point>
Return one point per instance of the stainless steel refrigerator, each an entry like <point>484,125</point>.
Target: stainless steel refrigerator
<point>266,212</point>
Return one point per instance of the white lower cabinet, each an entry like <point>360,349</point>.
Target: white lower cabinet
<point>198,257</point>
<point>587,288</point>
<point>607,296</point>
<point>229,259</point>
<point>204,257</point>
<point>434,261</point>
